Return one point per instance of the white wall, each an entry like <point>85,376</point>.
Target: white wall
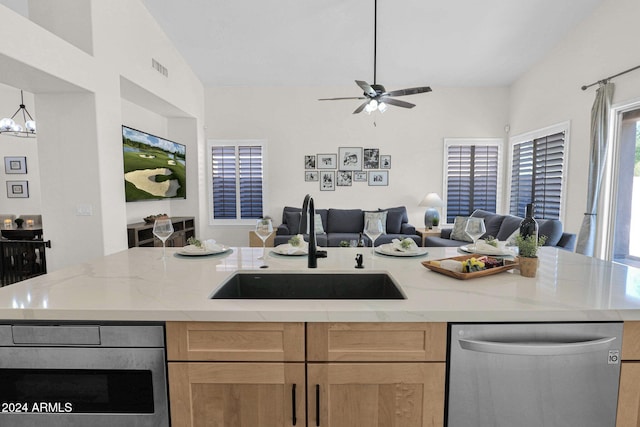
<point>604,45</point>
<point>18,147</point>
<point>295,124</point>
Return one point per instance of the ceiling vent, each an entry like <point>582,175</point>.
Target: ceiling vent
<point>159,67</point>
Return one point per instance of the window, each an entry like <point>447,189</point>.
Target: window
<point>473,175</point>
<point>537,167</point>
<point>237,180</point>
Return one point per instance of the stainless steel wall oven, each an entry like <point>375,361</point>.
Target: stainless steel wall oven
<point>107,374</point>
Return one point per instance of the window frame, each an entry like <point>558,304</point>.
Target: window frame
<point>497,142</point>
<point>235,143</point>
<point>530,136</point>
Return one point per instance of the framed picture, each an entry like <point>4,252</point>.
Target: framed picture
<point>378,178</point>
<point>385,162</point>
<point>15,165</point>
<point>327,161</point>
<point>371,158</point>
<point>310,162</point>
<point>310,176</point>
<point>350,158</point>
<point>17,189</point>
<point>344,178</point>
<point>327,181</point>
<point>359,176</point>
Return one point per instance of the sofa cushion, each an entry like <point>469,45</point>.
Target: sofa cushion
<point>552,228</point>
<point>395,218</point>
<point>510,224</point>
<point>381,215</point>
<point>345,221</point>
<point>458,232</point>
<point>492,221</point>
<point>400,209</point>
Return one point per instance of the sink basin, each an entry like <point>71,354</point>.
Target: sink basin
<point>258,285</point>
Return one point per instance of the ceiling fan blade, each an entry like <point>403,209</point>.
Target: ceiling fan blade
<point>338,99</point>
<point>361,107</point>
<point>366,87</point>
<point>410,91</point>
<point>396,102</point>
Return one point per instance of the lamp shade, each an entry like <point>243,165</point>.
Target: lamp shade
<point>431,200</point>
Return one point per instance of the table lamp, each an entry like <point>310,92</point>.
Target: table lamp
<point>431,215</point>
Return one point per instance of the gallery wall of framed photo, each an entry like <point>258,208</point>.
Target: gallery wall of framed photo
<point>16,189</point>
<point>348,166</point>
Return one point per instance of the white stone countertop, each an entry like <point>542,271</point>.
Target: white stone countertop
<point>138,285</point>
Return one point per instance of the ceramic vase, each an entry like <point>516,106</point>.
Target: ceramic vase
<point>528,266</point>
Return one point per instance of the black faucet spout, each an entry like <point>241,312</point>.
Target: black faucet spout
<point>308,210</point>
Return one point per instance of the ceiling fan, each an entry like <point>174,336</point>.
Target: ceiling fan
<point>376,97</point>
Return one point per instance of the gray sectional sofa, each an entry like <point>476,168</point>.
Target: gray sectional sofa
<point>345,225</point>
<point>503,226</point>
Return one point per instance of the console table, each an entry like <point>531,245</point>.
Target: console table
<point>141,233</point>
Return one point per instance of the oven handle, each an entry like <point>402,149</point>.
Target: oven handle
<point>536,348</point>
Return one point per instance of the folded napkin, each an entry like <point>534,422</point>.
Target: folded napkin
<point>411,245</point>
<point>288,249</point>
<point>483,247</point>
<point>207,246</point>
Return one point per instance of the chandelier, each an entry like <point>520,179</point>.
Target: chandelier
<point>10,127</point>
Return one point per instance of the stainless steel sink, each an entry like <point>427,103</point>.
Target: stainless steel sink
<point>259,285</point>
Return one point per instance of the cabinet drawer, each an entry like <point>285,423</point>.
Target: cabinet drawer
<point>235,341</point>
<point>631,341</point>
<point>376,342</point>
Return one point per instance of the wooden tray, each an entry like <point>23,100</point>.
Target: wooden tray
<point>508,265</point>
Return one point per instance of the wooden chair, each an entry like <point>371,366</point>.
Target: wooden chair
<point>22,259</point>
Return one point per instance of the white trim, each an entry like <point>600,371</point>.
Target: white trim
<point>235,143</point>
<point>530,136</point>
<point>608,204</point>
<point>498,142</point>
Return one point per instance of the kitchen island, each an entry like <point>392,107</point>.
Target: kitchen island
<point>137,284</point>
<point>345,362</point>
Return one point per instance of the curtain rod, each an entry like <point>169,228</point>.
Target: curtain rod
<point>585,87</point>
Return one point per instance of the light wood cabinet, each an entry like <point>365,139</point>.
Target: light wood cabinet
<point>629,391</point>
<point>339,374</point>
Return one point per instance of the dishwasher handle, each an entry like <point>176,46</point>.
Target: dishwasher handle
<point>536,348</point>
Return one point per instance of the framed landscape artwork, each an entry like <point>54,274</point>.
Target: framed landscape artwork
<point>350,158</point>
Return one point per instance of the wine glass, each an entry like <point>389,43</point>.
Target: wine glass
<point>475,228</point>
<point>264,229</point>
<point>162,229</point>
<point>373,229</point>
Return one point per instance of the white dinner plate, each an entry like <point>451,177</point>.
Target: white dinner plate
<point>387,249</point>
<point>192,250</point>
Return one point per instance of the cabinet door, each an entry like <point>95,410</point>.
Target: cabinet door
<point>376,394</point>
<point>237,394</point>
<point>629,395</point>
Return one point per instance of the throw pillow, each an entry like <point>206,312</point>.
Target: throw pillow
<point>458,233</point>
<point>394,220</point>
<point>293,223</point>
<point>381,215</point>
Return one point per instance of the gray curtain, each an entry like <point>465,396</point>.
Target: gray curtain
<point>599,132</point>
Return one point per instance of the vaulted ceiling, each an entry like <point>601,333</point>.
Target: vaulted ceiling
<point>330,42</point>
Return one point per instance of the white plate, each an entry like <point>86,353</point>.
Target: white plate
<point>387,249</point>
<point>191,250</point>
<point>486,250</point>
<point>285,248</point>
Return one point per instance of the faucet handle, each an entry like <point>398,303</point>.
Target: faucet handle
<point>359,260</point>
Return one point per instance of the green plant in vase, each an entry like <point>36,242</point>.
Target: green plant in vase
<point>528,254</point>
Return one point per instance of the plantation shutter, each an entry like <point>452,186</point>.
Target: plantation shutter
<point>472,179</point>
<point>537,176</point>
<point>224,182</point>
<point>250,167</point>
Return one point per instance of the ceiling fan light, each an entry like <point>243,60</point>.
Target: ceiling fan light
<point>373,104</point>
<point>382,107</point>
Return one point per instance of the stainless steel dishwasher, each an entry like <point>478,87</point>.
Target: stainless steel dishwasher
<point>534,374</point>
